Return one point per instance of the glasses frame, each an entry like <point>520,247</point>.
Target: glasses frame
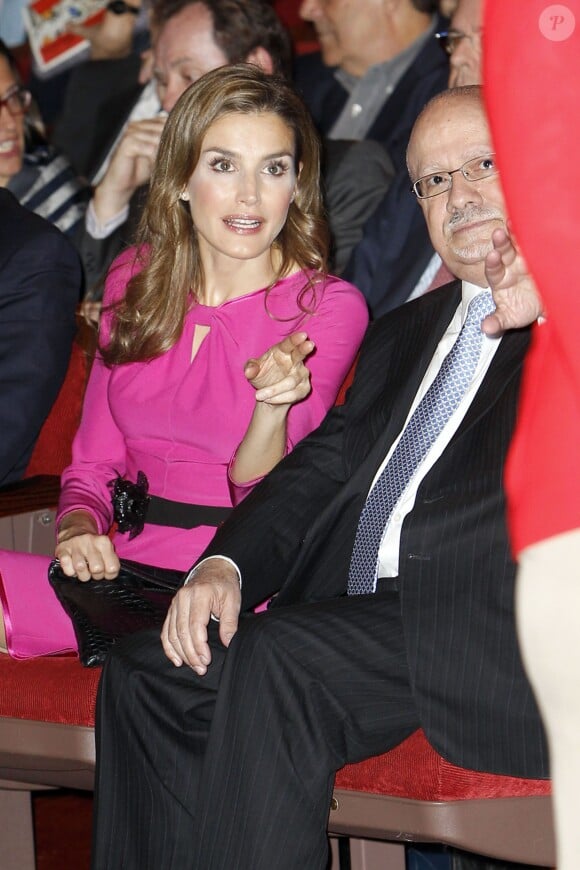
<point>22,94</point>
<point>448,39</point>
<point>451,172</point>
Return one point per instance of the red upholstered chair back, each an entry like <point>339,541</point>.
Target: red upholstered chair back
<point>52,451</point>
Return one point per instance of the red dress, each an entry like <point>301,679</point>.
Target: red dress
<point>531,82</point>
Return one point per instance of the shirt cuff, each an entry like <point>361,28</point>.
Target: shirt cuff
<point>102,231</point>
<point>191,573</point>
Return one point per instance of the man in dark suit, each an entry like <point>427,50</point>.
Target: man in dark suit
<point>228,735</point>
<point>377,66</point>
<point>40,287</point>
<point>98,99</point>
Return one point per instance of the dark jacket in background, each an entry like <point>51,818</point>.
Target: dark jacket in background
<point>325,96</point>
<point>40,287</point>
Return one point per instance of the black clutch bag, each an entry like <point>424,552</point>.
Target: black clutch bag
<point>102,611</point>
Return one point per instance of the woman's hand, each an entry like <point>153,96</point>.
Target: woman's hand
<point>82,552</point>
<point>280,379</point>
<point>279,375</point>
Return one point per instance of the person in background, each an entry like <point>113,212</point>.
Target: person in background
<point>40,288</point>
<point>39,177</point>
<point>462,42</point>
<point>201,385</point>
<point>124,29</point>
<point>122,32</point>
<point>103,97</point>
<point>193,37</point>
<point>376,68</point>
<point>535,52</point>
<point>383,535</point>
<point>394,261</point>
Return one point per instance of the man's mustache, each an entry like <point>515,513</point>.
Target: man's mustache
<point>472,214</point>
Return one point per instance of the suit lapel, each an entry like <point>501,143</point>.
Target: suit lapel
<point>418,330</point>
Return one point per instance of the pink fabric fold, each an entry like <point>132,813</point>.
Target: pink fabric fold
<point>32,630</point>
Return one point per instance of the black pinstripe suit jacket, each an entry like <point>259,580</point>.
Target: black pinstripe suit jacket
<point>296,531</point>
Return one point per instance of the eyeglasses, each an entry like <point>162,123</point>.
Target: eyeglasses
<point>439,182</point>
<point>17,100</point>
<point>449,39</point>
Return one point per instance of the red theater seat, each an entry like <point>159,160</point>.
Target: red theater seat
<point>408,794</point>
<point>412,794</point>
<point>27,508</point>
<point>52,451</point>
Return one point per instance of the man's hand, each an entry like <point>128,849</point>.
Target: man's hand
<point>279,375</point>
<point>214,590</point>
<point>111,38</point>
<point>130,167</point>
<point>514,291</point>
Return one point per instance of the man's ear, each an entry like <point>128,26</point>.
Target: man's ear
<point>261,57</point>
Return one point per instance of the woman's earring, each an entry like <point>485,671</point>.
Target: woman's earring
<point>184,196</point>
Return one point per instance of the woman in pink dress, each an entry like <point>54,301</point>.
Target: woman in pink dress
<point>200,385</point>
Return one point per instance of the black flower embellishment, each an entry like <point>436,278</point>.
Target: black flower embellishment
<point>130,503</point>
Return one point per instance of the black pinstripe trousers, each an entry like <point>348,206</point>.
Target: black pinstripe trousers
<point>234,770</point>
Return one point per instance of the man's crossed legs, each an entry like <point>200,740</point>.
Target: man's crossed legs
<point>236,768</point>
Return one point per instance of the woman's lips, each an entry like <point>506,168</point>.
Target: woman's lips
<point>244,224</point>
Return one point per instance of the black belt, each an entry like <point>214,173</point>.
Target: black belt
<point>180,515</point>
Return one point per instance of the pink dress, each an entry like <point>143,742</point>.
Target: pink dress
<point>180,421</point>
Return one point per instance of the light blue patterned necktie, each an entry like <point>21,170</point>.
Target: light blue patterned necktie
<point>427,422</point>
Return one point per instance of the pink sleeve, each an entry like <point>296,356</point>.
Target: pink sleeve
<point>337,329</point>
<point>98,452</point>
